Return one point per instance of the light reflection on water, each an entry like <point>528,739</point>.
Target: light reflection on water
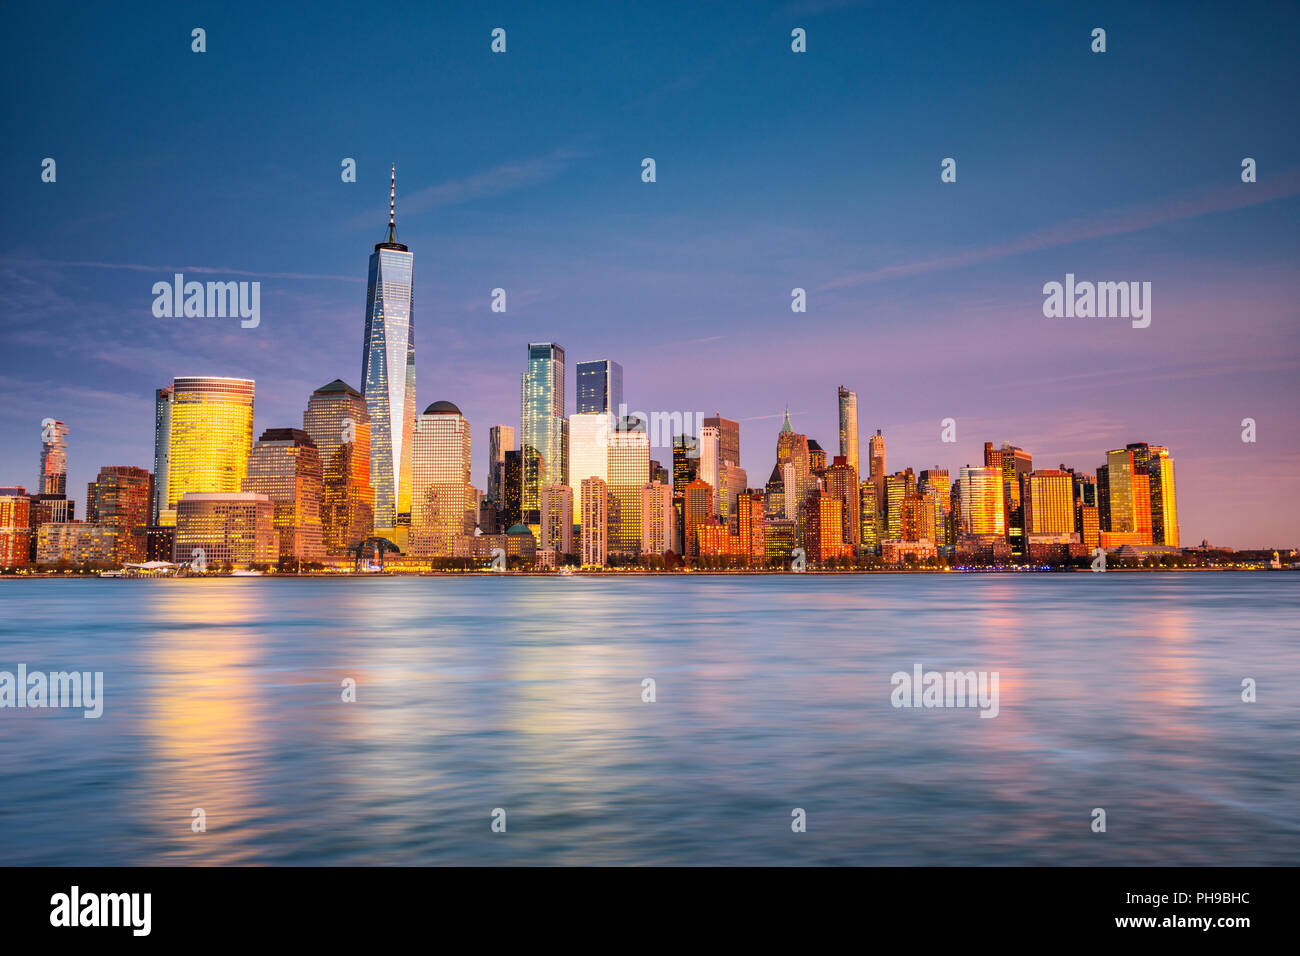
<point>1119,691</point>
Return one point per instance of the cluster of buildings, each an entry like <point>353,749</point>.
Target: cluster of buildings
<point>366,472</point>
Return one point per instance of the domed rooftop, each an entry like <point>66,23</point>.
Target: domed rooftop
<point>519,529</point>
<point>442,408</point>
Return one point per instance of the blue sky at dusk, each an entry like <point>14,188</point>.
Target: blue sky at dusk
<point>775,170</point>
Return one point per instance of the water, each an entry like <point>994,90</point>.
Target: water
<point>1120,691</point>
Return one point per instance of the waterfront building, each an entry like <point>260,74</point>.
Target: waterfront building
<point>848,402</point>
<point>235,528</point>
<point>443,502</point>
<point>285,468</point>
<point>545,428</point>
<point>557,519</point>
<point>595,518</point>
<point>338,421</point>
<point>122,496</point>
<point>210,439</point>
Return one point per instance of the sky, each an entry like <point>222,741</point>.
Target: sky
<point>775,170</point>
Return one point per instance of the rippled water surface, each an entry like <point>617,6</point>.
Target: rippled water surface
<point>1120,691</point>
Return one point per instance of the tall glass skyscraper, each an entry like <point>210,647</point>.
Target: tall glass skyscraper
<point>162,442</point>
<point>388,377</point>
<point>54,457</point>
<point>545,443</point>
<point>600,386</point>
<point>210,438</point>
<point>848,400</point>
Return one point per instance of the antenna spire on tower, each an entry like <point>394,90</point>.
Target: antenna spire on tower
<point>392,207</point>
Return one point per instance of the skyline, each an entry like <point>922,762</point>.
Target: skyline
<point>924,298</point>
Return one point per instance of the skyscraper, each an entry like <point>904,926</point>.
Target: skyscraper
<point>443,505</point>
<point>15,527</point>
<point>589,441</point>
<point>338,421</point>
<point>876,448</point>
<point>595,518</point>
<point>545,429</point>
<point>122,496</point>
<point>54,458</point>
<point>1164,505</point>
<point>501,439</point>
<point>1049,502</point>
<point>711,460</point>
<point>557,519</point>
<point>686,461</point>
<point>629,462</point>
<point>842,484</point>
<point>388,377</point>
<point>600,387</point>
<point>162,435</point>
<point>728,438</point>
<point>658,520</point>
<point>849,427</point>
<point>982,501</point>
<point>210,438</point>
<point>285,467</point>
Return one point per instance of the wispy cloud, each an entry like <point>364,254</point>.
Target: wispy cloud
<point>1111,223</point>
<point>168,270</point>
<point>503,178</point>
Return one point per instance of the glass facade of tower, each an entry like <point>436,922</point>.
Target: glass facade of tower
<point>600,386</point>
<point>545,443</point>
<point>285,467</point>
<point>210,439</point>
<point>388,385</point>
<point>54,458</point>
<point>849,427</point>
<point>162,437</point>
<point>629,462</point>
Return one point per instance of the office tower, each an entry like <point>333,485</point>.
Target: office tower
<point>1164,505</point>
<point>211,437</point>
<point>711,460</point>
<point>876,449</point>
<point>751,527</point>
<point>919,517</point>
<point>699,512</point>
<point>778,539</point>
<point>1103,497</point>
<point>868,516</point>
<point>1128,497</point>
<point>816,458</point>
<point>600,387</point>
<point>285,467</point>
<point>235,528</point>
<point>162,435</point>
<point>1049,502</point>
<point>686,461</point>
<point>824,528</point>
<point>338,421</point>
<point>629,460</point>
<point>590,435</point>
<point>501,439</point>
<point>657,518</point>
<point>793,491</point>
<point>792,451</point>
<point>15,527</point>
<point>934,482</point>
<point>545,429</point>
<point>659,473</point>
<point>388,377</point>
<point>842,484</point>
<point>982,501</point>
<point>557,519</point>
<point>54,458</point>
<point>897,487</point>
<point>1014,463</point>
<point>595,519</point>
<point>443,504</point>
<point>512,489</point>
<point>1089,526</point>
<point>728,433</point>
<point>849,426</point>
<point>732,480</point>
<point>122,496</point>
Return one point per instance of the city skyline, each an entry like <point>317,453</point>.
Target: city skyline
<point>923,297</point>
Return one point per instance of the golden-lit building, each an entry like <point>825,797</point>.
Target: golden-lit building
<point>443,505</point>
<point>15,527</point>
<point>842,483</point>
<point>1088,525</point>
<point>982,501</point>
<point>557,519</point>
<point>77,542</point>
<point>824,528</point>
<point>657,517</point>
<point>919,514</point>
<point>897,487</point>
<point>779,539</point>
<point>285,466</point>
<point>122,496</point>
<point>870,534</point>
<point>1049,502</point>
<point>698,513</point>
<point>338,421</point>
<point>848,401</point>
<point>595,522</point>
<point>629,464</point>
<point>237,528</point>
<point>1164,503</point>
<point>751,527</point>
<point>209,439</point>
